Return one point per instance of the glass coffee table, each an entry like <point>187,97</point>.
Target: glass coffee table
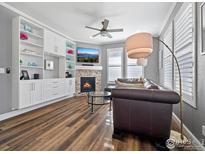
<point>101,94</point>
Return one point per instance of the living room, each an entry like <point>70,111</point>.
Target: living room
<point>95,76</point>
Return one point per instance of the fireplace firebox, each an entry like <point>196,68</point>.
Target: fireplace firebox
<point>87,84</point>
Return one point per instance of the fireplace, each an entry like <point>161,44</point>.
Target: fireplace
<point>87,84</point>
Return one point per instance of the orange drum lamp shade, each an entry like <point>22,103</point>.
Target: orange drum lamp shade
<point>139,45</point>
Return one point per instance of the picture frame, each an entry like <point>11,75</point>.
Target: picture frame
<point>24,75</point>
<point>49,65</point>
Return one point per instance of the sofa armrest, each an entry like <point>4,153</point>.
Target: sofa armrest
<point>152,95</point>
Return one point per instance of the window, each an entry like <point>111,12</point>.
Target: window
<point>184,40</point>
<point>183,37</point>
<point>134,71</point>
<point>167,59</point>
<point>114,59</point>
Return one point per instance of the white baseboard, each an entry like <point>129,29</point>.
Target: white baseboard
<point>21,111</point>
<point>189,134</point>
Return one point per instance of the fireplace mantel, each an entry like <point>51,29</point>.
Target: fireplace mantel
<point>88,67</point>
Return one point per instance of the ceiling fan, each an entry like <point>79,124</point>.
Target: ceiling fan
<point>104,31</point>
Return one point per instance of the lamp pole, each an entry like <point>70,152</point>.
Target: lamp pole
<point>180,86</point>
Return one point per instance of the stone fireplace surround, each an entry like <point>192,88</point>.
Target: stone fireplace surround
<point>97,73</point>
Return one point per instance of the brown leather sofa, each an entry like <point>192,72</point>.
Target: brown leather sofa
<point>143,111</point>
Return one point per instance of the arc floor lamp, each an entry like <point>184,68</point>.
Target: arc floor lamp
<point>139,46</point>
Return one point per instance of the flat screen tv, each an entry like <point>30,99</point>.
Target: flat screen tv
<point>87,55</point>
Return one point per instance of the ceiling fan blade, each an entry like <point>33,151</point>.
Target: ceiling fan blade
<point>105,24</point>
<point>108,35</point>
<point>115,30</point>
<point>92,28</point>
<point>96,35</point>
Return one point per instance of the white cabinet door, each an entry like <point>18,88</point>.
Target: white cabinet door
<point>70,86</point>
<point>60,45</point>
<point>53,89</point>
<point>73,86</point>
<point>67,87</point>
<point>25,94</point>
<point>37,93</point>
<point>49,41</point>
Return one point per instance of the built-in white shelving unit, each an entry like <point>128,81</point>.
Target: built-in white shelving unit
<point>70,57</point>
<point>33,45</point>
<point>30,46</point>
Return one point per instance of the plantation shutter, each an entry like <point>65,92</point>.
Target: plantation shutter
<point>184,49</point>
<point>167,59</point>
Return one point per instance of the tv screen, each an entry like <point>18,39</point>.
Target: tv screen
<point>87,55</point>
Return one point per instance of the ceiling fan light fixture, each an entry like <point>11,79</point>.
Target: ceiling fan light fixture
<point>104,32</point>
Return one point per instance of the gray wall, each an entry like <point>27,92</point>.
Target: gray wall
<point>194,118</point>
<point>151,71</point>
<point>5,59</point>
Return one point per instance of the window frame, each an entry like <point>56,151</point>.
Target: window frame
<point>108,65</point>
<point>127,65</point>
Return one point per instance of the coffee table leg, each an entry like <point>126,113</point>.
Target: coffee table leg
<point>110,105</point>
<point>91,104</point>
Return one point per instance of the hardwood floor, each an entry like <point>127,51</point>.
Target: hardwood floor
<point>66,125</point>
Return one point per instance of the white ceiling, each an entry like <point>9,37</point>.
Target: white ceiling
<point>71,18</point>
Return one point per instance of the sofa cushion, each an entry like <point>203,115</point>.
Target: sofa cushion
<point>131,80</point>
<point>150,85</point>
<point>130,85</point>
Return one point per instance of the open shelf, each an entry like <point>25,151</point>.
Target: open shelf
<point>70,55</point>
<point>34,67</point>
<point>70,69</point>
<point>70,45</point>
<point>70,61</point>
<point>31,27</point>
<point>31,54</point>
<point>69,48</point>
<point>31,43</point>
<point>32,34</point>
